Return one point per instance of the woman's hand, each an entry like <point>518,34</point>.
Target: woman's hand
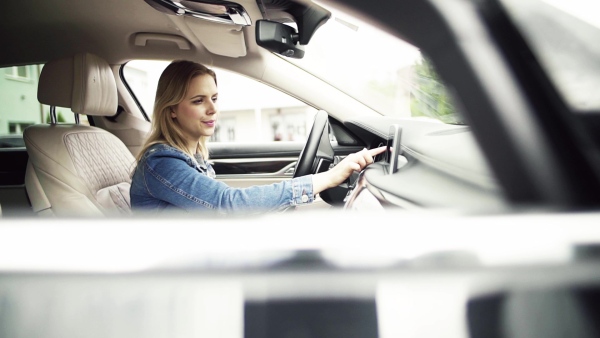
<point>338,174</point>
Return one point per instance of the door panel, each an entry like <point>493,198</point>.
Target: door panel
<point>243,165</point>
<point>13,196</point>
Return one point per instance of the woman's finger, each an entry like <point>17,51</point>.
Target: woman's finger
<point>376,151</point>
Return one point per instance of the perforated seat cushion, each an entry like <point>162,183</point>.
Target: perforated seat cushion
<point>74,162</point>
<point>98,160</point>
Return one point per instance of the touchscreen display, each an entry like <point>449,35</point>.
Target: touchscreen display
<point>393,147</point>
<point>387,155</point>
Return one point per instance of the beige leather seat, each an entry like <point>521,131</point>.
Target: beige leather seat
<point>77,170</point>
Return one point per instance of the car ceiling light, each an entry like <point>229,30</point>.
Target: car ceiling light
<point>212,10</point>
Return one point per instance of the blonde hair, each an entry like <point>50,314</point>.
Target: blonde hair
<point>172,87</point>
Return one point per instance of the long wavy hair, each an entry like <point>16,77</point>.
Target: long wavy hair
<point>172,87</point>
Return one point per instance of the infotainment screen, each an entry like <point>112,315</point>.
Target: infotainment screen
<point>393,147</point>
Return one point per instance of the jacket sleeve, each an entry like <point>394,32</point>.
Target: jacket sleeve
<point>175,182</point>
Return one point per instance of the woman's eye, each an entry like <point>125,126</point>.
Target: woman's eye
<point>198,101</point>
<point>214,99</point>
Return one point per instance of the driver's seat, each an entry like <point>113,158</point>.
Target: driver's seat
<point>77,170</point>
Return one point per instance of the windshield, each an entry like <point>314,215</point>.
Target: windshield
<point>385,73</point>
<point>564,35</point>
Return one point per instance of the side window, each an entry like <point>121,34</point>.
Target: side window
<point>20,107</point>
<point>249,111</point>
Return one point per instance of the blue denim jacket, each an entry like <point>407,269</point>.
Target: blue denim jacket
<point>167,178</point>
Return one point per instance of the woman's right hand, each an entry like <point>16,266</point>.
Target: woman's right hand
<point>354,162</point>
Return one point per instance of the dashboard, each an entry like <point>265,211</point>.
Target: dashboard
<point>430,165</point>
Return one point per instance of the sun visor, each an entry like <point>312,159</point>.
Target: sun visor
<point>220,11</point>
<point>226,40</point>
<point>216,23</point>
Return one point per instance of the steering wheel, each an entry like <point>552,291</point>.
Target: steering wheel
<point>317,154</point>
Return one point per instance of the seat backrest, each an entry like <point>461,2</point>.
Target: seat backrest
<point>77,170</point>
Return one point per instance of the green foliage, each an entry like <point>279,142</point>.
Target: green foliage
<point>59,117</point>
<point>429,96</point>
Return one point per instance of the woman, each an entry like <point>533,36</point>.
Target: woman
<point>172,171</point>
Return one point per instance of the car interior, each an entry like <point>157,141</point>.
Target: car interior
<point>440,166</point>
<point>479,220</point>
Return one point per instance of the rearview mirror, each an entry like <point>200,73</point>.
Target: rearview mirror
<point>278,38</point>
<point>283,39</point>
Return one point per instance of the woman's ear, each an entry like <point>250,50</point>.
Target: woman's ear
<point>173,115</point>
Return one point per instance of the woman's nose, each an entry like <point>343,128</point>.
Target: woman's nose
<point>212,108</point>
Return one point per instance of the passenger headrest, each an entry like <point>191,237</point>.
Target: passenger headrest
<point>83,82</point>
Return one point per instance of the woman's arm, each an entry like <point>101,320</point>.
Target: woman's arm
<point>169,178</point>
<point>338,174</point>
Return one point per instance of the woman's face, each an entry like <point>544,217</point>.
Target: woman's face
<point>197,113</point>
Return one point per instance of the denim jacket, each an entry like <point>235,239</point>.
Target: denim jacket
<point>167,178</point>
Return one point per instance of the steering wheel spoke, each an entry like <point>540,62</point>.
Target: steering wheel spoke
<point>317,154</point>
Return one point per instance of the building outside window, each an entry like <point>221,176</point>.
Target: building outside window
<point>22,73</point>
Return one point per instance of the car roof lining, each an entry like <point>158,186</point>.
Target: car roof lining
<point>63,22</point>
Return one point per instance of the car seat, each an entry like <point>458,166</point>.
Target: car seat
<point>75,169</point>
